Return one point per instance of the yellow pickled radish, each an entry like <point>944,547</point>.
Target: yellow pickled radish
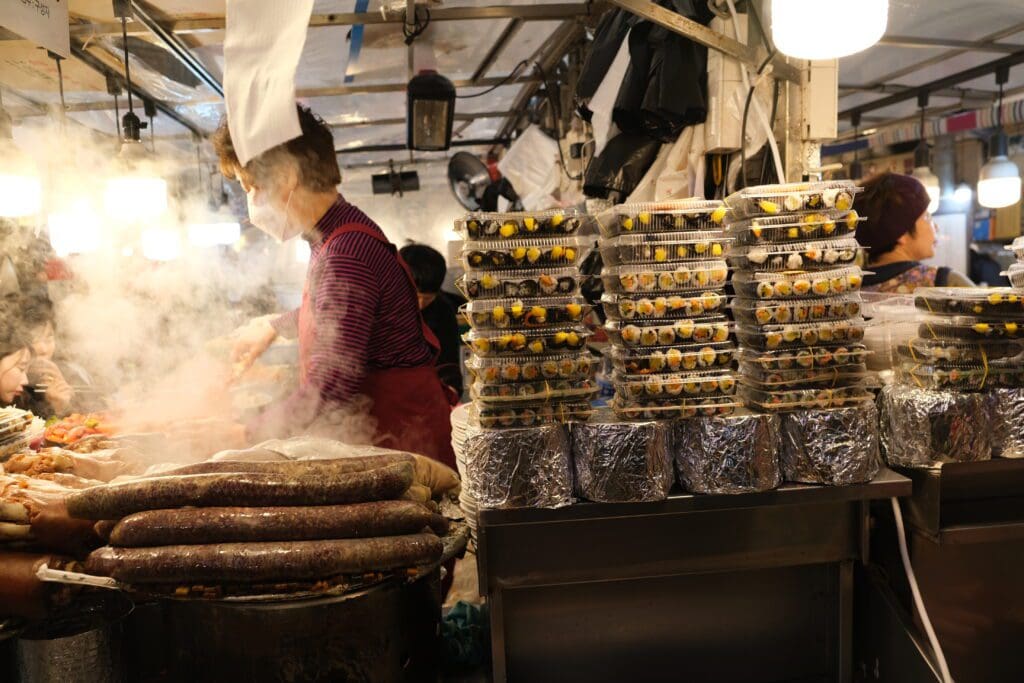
<point>508,230</point>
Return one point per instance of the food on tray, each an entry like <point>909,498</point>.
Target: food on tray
<point>666,409</point>
<point>76,427</point>
<point>968,328</point>
<point>772,337</point>
<point>998,303</point>
<point>789,399</point>
<point>528,416</point>
<point>519,284</point>
<point>829,376</point>
<point>515,313</point>
<point>713,329</point>
<point>690,385</point>
<point>814,357</point>
<point>495,370</point>
<point>762,312</point>
<point>962,378</point>
<point>790,228</point>
<point>689,215</point>
<point>663,248</point>
<point>824,283</point>
<point>797,256</point>
<point>944,351</point>
<point>629,307</point>
<point>518,253</point>
<point>669,278</point>
<point>49,461</point>
<point>772,200</point>
<point>546,390</point>
<point>491,226</point>
<point>531,342</point>
<point>675,359</point>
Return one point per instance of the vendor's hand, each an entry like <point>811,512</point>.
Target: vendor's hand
<point>251,342</point>
<point>436,476</point>
<point>58,392</point>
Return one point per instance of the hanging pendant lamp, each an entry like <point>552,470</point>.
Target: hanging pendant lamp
<point>827,29</point>
<point>999,181</point>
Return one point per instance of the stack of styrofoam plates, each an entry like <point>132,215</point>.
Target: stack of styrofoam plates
<point>460,423</point>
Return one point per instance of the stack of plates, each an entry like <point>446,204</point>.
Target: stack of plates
<point>460,423</point>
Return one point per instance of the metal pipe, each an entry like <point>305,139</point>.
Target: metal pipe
<point>177,47</point>
<point>333,90</point>
<point>972,45</point>
<point>499,46</point>
<point>489,142</point>
<point>398,121</point>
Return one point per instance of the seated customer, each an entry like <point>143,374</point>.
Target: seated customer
<point>14,354</point>
<point>428,271</point>
<point>899,233</point>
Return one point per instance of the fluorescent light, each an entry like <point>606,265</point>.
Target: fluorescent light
<point>75,230</point>
<point>161,244</point>
<point>827,29</point>
<point>20,195</point>
<point>214,234</point>
<point>931,186</point>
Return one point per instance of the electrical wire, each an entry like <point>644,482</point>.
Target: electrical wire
<point>746,114</point>
<point>556,110</point>
<point>515,72</point>
<point>417,29</point>
<point>918,602</point>
<point>127,69</point>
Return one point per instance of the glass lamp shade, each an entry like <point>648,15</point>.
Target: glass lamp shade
<point>827,29</point>
<point>999,183</point>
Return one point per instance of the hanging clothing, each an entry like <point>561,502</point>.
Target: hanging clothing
<point>361,333</point>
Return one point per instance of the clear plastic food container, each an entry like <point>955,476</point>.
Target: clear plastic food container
<point>712,329</point>
<point>773,200</point>
<point>670,306</point>
<point>519,284</point>
<point>822,283</point>
<point>949,352</point>
<point>1015,273</point>
<point>540,253</point>
<point>678,277</point>
<point>798,256</point>
<point>798,399</point>
<point>832,376</point>
<point>971,301</point>
<point>674,359</point>
<point>529,343</point>
<point>772,337</point>
<point>958,378</point>
<point>689,385</point>
<point>501,314</point>
<point>535,392</point>
<point>759,312</point>
<point>509,226</point>
<point>663,247</point>
<point>566,366</point>
<point>1017,247</point>
<point>968,328</point>
<point>816,357</point>
<point>686,215</point>
<point>491,416</point>
<point>813,225</point>
<point>670,409</point>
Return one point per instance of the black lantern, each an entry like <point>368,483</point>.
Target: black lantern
<point>431,112</point>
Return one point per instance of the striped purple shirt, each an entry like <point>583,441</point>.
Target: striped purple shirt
<point>367,318</point>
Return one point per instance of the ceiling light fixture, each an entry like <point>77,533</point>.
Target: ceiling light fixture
<point>922,159</point>
<point>431,112</point>
<point>796,26</point>
<point>999,180</point>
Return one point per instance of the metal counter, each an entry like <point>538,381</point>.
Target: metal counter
<point>754,587</point>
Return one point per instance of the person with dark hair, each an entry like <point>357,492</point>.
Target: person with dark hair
<point>359,328</point>
<point>428,271</point>
<point>49,392</point>
<point>899,233</point>
<point>14,353</point>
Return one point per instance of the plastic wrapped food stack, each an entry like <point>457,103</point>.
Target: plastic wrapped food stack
<point>922,428</point>
<point>1009,423</point>
<point>622,462</point>
<point>734,454</point>
<point>512,468</point>
<point>834,447</point>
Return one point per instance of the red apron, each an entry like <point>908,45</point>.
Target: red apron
<point>412,408</point>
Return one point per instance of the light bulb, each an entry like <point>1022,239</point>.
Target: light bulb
<point>75,230</point>
<point>931,186</point>
<point>161,244</point>
<point>963,194</point>
<point>214,234</point>
<point>999,183</point>
<point>797,26</point>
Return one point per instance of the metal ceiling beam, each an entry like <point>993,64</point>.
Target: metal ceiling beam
<point>176,46</point>
<point>181,25</point>
<point>972,45</point>
<point>489,142</point>
<point>846,90</point>
<point>949,81</point>
<point>499,46</point>
<point>396,121</point>
<point>703,35</point>
<point>334,90</point>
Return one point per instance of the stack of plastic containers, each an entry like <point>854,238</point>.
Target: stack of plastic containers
<point>1015,272</point>
<point>664,278</point>
<point>797,306</point>
<point>530,364</point>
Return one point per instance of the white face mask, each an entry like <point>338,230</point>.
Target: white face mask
<point>277,224</point>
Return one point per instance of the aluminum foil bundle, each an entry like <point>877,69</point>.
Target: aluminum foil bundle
<point>922,427</point>
<point>833,447</point>
<point>733,454</point>
<point>622,462</point>
<point>1008,415</point>
<point>513,468</point>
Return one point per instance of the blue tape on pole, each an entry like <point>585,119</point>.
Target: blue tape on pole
<point>355,45</point>
<point>844,147</point>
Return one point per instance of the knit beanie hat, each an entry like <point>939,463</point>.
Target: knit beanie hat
<point>891,203</point>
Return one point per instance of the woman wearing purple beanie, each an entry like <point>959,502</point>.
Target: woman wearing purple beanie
<point>900,233</point>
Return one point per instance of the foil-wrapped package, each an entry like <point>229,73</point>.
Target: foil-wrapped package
<point>622,462</point>
<point>833,447</point>
<point>732,454</point>
<point>1008,415</point>
<point>514,468</point>
<point>923,427</point>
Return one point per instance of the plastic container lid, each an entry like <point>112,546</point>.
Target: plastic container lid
<point>833,376</point>
<point>529,343</point>
<point>773,337</point>
<point>502,314</point>
<point>969,328</point>
<point>664,247</point>
<point>1017,247</point>
<point>510,370</point>
<point>798,256</point>
<point>521,284</point>
<point>959,378</point>
<point>812,225</point>
<point>679,384</point>
<point>673,408</point>
<point>668,306</point>
<point>711,329</point>
<point>532,254</point>
<point>1015,273</point>
<point>669,216</point>
<point>672,359</point>
<point>772,200</point>
<point>945,351</point>
<point>676,277</point>
<point>521,225</point>
<point>759,312</point>
<point>533,392</point>
<point>1000,302</point>
<point>529,415</point>
<point>797,399</point>
<point>807,358</point>
<point>822,283</point>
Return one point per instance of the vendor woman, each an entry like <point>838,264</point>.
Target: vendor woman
<point>359,327</point>
<point>900,233</point>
